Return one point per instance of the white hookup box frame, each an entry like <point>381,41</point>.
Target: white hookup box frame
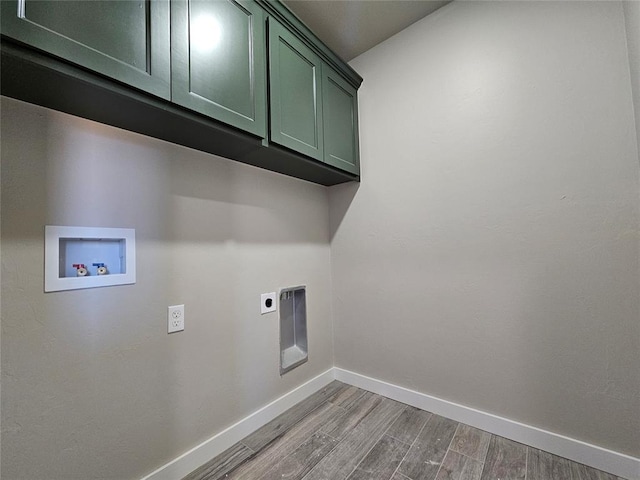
<point>66,246</point>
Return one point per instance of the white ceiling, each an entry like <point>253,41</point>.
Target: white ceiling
<point>351,27</point>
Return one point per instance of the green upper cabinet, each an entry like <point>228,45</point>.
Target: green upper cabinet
<point>295,93</point>
<point>340,118</point>
<point>125,40</point>
<point>218,61</point>
<point>244,79</point>
<point>314,109</point>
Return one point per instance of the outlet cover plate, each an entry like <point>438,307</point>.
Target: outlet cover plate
<point>175,318</point>
<point>268,303</point>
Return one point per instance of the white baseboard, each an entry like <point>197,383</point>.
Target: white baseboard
<point>199,455</point>
<point>616,463</point>
<point>613,462</point>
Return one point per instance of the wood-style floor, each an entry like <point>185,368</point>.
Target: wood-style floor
<point>345,433</point>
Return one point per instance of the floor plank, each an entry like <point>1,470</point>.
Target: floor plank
<point>582,472</point>
<point>347,398</point>
<point>459,467</point>
<point>346,422</point>
<point>222,464</point>
<point>303,459</point>
<point>399,476</point>
<point>545,466</point>
<point>286,443</point>
<point>263,436</point>
<point>408,425</point>
<point>471,442</point>
<point>341,461</point>
<point>423,460</point>
<point>505,460</point>
<point>381,462</point>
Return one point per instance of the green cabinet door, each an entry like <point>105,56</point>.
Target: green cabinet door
<point>218,61</point>
<point>340,118</point>
<point>125,40</point>
<point>295,93</point>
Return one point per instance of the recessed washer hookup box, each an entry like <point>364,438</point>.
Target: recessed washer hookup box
<point>88,257</point>
<point>293,328</point>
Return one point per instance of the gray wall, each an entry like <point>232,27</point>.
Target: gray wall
<point>490,254</point>
<point>489,257</point>
<point>632,24</point>
<point>92,385</point>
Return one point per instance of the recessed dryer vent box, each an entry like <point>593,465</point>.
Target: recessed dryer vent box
<point>293,328</point>
<point>87,257</point>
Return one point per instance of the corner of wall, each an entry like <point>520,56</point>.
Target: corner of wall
<point>631,11</point>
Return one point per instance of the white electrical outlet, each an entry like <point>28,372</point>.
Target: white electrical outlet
<point>267,302</point>
<point>175,318</point>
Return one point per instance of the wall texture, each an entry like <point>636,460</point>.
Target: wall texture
<point>92,385</point>
<point>490,255</point>
<point>632,24</point>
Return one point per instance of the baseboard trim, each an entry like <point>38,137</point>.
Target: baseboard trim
<point>199,455</point>
<point>610,461</point>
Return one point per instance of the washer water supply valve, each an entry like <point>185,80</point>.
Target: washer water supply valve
<point>81,270</point>
<point>102,270</point>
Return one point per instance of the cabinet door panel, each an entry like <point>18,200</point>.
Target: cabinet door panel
<point>340,117</point>
<point>295,94</point>
<point>124,40</point>
<point>218,61</point>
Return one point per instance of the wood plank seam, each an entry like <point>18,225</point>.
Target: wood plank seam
<point>405,455</point>
<point>376,442</point>
<point>448,450</point>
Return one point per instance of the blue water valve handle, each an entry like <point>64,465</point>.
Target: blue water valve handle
<point>102,270</point>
